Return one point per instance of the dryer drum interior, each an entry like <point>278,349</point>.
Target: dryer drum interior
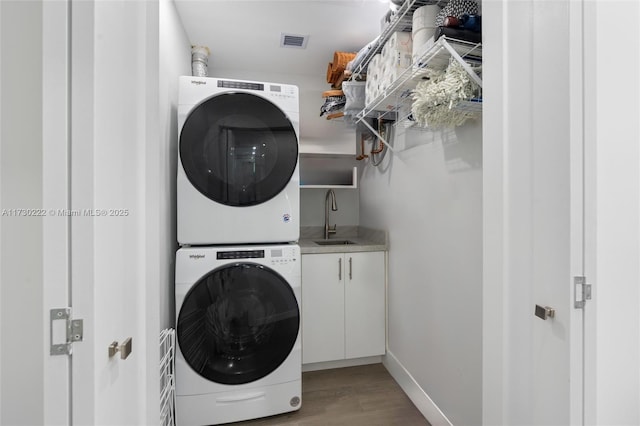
<point>238,323</point>
<point>238,149</point>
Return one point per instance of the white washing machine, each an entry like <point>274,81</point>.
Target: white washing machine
<point>238,353</point>
<point>238,178</point>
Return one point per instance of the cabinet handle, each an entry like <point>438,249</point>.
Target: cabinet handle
<point>340,269</point>
<point>350,268</point>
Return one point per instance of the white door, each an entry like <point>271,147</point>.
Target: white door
<point>322,307</point>
<point>533,212</point>
<point>364,304</point>
<point>557,211</point>
<point>99,99</point>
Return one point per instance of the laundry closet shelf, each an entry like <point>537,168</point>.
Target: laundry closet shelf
<point>334,181</point>
<point>402,20</point>
<point>394,103</point>
<point>438,57</point>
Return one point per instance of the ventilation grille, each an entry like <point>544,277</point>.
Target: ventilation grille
<point>293,40</point>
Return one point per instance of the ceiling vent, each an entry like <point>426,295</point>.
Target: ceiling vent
<point>293,40</point>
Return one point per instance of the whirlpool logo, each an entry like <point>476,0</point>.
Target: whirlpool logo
<point>196,256</point>
<point>198,82</point>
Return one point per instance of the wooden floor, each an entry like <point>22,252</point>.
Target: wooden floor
<point>353,396</point>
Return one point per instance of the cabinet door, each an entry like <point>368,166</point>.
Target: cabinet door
<point>322,307</point>
<point>365,304</point>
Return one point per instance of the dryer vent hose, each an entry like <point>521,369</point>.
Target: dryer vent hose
<point>199,61</point>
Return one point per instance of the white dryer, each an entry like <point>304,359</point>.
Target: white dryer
<point>238,180</point>
<point>238,353</point>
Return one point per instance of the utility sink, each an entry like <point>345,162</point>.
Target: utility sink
<point>333,242</point>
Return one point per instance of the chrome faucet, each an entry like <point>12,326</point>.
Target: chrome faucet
<point>328,230</point>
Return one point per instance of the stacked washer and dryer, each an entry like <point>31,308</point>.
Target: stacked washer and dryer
<point>238,269</point>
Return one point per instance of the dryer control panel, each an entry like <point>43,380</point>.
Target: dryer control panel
<point>273,90</point>
<point>274,256</point>
<point>230,84</point>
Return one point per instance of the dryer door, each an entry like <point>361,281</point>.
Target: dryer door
<point>238,149</point>
<point>238,323</point>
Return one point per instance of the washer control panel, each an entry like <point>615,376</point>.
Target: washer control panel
<point>240,254</point>
<point>283,255</point>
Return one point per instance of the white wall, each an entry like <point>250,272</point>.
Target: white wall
<point>613,107</point>
<point>428,196</point>
<point>175,60</point>
<point>1,120</point>
<point>21,280</point>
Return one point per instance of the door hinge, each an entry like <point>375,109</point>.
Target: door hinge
<point>582,292</point>
<point>73,331</point>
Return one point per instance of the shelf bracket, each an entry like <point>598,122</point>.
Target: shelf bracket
<point>464,63</point>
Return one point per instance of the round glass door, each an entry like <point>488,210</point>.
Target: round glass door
<point>238,149</point>
<point>238,323</point>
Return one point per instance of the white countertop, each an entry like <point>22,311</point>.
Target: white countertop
<point>364,239</point>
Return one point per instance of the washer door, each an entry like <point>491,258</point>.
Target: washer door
<point>238,149</point>
<point>238,323</point>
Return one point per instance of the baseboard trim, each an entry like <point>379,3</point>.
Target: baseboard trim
<point>415,393</point>
<point>341,363</point>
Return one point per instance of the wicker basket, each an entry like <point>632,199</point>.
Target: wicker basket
<point>336,68</point>
<point>341,59</point>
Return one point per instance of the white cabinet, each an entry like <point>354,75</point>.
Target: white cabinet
<point>343,306</point>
